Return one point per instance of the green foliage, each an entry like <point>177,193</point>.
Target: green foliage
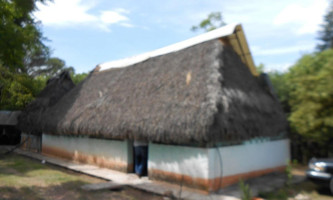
<point>19,34</point>
<point>213,21</point>
<point>326,33</point>
<point>260,68</point>
<point>306,93</point>
<point>77,78</point>
<point>21,42</point>
<point>280,83</point>
<point>25,62</point>
<point>246,191</point>
<point>17,90</point>
<point>51,67</point>
<point>289,175</point>
<point>281,194</point>
<point>311,96</point>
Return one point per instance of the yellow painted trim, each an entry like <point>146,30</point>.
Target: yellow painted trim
<point>238,42</point>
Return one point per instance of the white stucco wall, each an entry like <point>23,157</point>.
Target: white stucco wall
<point>189,161</point>
<point>248,157</point>
<point>205,162</point>
<point>109,149</point>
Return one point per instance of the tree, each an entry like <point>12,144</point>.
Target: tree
<point>326,32</point>
<point>77,78</point>
<point>306,95</point>
<point>311,96</point>
<point>20,36</point>
<point>260,68</point>
<point>213,21</point>
<point>49,68</point>
<point>25,62</point>
<point>21,42</point>
<point>280,83</point>
<point>18,89</point>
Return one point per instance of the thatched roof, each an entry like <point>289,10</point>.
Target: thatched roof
<point>8,118</point>
<point>32,115</point>
<point>200,94</point>
<point>230,35</point>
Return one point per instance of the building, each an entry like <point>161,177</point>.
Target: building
<point>207,117</point>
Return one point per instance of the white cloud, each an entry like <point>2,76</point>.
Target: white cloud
<point>121,10</point>
<point>128,25</point>
<point>277,67</point>
<point>305,18</point>
<point>112,17</point>
<point>281,50</point>
<point>64,13</point>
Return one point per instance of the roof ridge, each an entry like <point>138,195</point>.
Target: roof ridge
<point>211,35</point>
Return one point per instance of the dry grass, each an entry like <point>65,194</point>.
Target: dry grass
<point>306,189</point>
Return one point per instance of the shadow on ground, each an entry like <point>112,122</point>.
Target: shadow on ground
<point>24,178</point>
<point>69,191</point>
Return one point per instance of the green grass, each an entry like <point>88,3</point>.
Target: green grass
<point>24,178</point>
<point>14,168</point>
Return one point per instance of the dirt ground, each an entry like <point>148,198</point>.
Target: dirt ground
<point>25,178</point>
<point>305,190</point>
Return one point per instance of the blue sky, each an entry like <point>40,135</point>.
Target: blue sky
<point>85,33</point>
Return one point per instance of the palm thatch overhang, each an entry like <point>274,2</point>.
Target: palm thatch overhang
<point>31,117</point>
<point>9,118</point>
<point>199,95</point>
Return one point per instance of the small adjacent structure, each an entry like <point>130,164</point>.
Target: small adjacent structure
<point>33,114</point>
<point>9,134</point>
<point>198,103</point>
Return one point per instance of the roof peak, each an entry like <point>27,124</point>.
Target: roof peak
<point>211,35</point>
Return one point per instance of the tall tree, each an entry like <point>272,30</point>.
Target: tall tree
<point>213,21</point>
<point>326,32</point>
<point>25,61</point>
<point>311,96</point>
<point>280,83</point>
<point>20,37</point>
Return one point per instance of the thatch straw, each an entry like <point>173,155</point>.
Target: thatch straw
<point>9,118</point>
<point>32,116</point>
<point>197,95</point>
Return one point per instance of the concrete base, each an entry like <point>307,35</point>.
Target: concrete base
<point>102,186</point>
<point>208,169</point>
<point>211,169</point>
<point>87,158</point>
<point>209,185</point>
<point>265,183</point>
<point>112,154</point>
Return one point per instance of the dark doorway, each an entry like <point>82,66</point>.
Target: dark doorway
<point>9,135</point>
<point>140,150</point>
